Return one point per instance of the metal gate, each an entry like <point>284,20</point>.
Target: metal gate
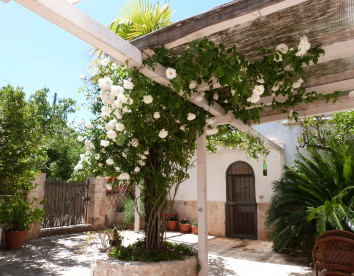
<point>65,203</point>
<point>241,206</point>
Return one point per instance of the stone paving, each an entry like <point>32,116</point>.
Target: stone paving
<point>57,255</point>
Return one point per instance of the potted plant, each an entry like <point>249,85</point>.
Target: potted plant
<point>195,227</point>
<point>172,221</point>
<point>184,225</point>
<point>16,214</point>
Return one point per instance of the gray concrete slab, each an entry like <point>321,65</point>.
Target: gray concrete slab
<point>57,255</point>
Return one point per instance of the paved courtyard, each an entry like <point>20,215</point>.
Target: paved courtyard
<point>57,255</point>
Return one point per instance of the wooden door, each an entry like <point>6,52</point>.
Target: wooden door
<point>241,206</point>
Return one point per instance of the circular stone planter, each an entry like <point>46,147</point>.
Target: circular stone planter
<point>113,267</point>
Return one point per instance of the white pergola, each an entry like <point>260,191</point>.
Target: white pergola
<point>65,15</point>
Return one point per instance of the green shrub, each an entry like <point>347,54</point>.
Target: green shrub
<point>129,210</point>
<point>315,195</point>
<point>137,252</point>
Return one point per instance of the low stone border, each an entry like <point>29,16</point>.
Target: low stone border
<point>114,267</point>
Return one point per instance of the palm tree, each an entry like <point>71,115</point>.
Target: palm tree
<point>315,195</point>
<point>137,18</point>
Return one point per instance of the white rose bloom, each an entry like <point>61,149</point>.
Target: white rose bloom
<point>103,150</point>
<point>117,104</point>
<point>260,80</point>
<point>124,155</point>
<point>124,176</point>
<point>282,48</point>
<point>92,146</point>
<point>275,88</point>
<point>254,98</point>
<point>100,164</point>
<point>119,127</point>
<point>199,98</point>
<point>141,163</point>
<point>123,99</point>
<point>216,96</point>
<point>97,156</point>
<point>135,143</point>
<point>104,62</point>
<point>163,174</point>
<point>105,83</point>
<point>182,127</point>
<point>104,143</point>
<point>117,114</point>
<point>156,115</point>
<point>111,134</point>
<point>109,161</point>
<point>178,122</point>
<point>298,83</point>
<point>113,122</point>
<point>303,47</point>
<point>117,90</point>
<point>148,99</point>
<point>87,142</point>
<point>82,77</point>
<point>127,84</point>
<point>130,101</point>
<point>211,121</point>
<point>146,152</point>
<point>89,125</point>
<point>142,156</point>
<point>106,110</point>
<point>117,169</point>
<point>278,58</point>
<point>193,84</point>
<point>212,131</point>
<point>109,126</point>
<point>163,133</point>
<point>108,187</point>
<point>191,116</point>
<point>233,92</point>
<point>79,138</point>
<point>126,110</point>
<point>136,169</point>
<point>258,89</point>
<point>171,73</point>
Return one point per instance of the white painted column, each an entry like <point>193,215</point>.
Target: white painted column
<point>137,209</point>
<point>202,205</point>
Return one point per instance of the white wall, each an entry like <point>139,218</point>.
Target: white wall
<point>217,165</point>
<point>286,134</point>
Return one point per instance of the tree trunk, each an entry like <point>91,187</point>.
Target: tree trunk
<point>153,226</point>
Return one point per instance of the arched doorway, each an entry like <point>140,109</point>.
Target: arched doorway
<point>241,206</point>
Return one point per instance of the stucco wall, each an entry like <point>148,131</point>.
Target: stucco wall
<point>217,165</point>
<point>285,132</point>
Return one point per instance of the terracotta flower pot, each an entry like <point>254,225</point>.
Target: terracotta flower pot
<point>184,227</point>
<point>195,230</point>
<point>14,239</point>
<point>172,225</point>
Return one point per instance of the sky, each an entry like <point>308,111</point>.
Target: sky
<point>35,53</point>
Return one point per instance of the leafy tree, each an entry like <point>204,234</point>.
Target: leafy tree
<point>20,138</point>
<point>325,131</point>
<point>61,150</point>
<point>315,195</point>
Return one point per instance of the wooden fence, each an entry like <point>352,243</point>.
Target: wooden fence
<point>66,203</point>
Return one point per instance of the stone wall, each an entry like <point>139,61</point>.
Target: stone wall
<point>37,193</point>
<point>216,216</point>
<point>262,209</point>
<point>112,204</point>
<point>112,267</point>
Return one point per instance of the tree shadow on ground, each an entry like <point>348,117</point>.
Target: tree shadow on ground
<point>54,255</point>
<point>217,267</point>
